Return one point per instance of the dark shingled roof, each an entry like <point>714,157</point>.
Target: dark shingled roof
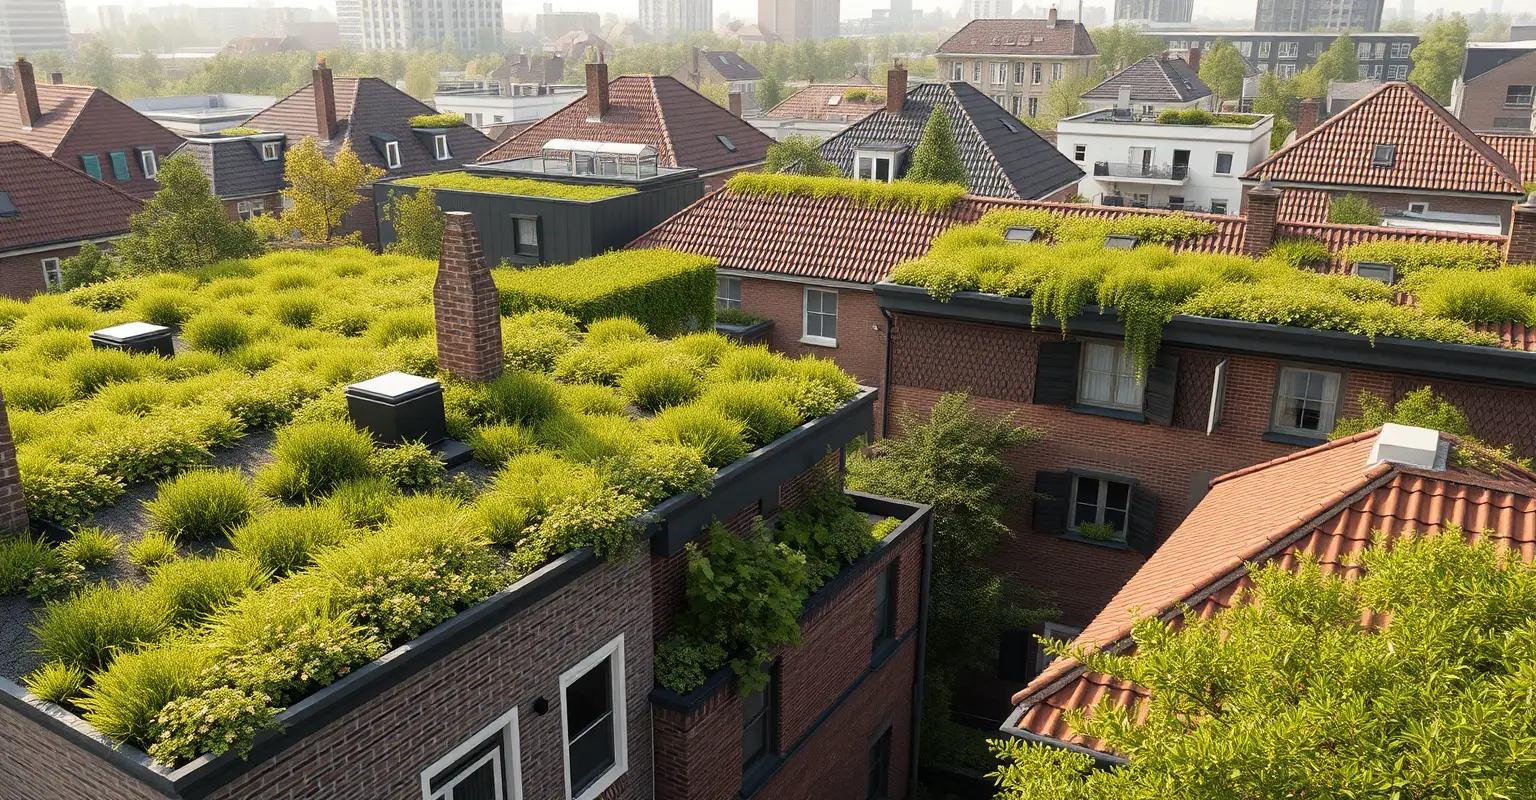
<point>234,166</point>
<point>1156,78</point>
<point>1020,37</point>
<point>55,203</point>
<point>999,162</point>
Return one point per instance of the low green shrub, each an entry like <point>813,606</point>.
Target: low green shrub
<point>56,682</point>
<point>136,398</point>
<point>607,521</point>
<point>170,307</point>
<point>929,197</point>
<point>659,384</point>
<point>201,504</point>
<point>735,316</point>
<point>401,323</point>
<point>89,370</point>
<point>494,444</point>
<point>754,363</point>
<point>90,546</point>
<point>663,290</point>
<point>89,629</point>
<point>591,398</point>
<point>527,344</point>
<point>1352,209</point>
<point>22,558</point>
<point>718,439</point>
<point>411,465</point>
<point>443,120</point>
<point>192,588</point>
<point>164,444</point>
<point>36,393</point>
<point>310,459</point>
<point>62,491</point>
<point>1097,531</point>
<point>683,662</point>
<point>344,320</point>
<point>1065,227</point>
<point>1473,297</point>
<point>616,329</point>
<point>705,347</point>
<point>1412,257</point>
<point>152,550</point>
<point>827,530</point>
<point>218,332</point>
<point>284,539</point>
<point>527,187</point>
<point>109,296</point>
<point>285,640</point>
<point>124,699</point>
<point>527,487</point>
<point>883,528</point>
<point>363,502</point>
<point>605,364</point>
<point>1299,251</point>
<point>211,722</point>
<point>655,472</point>
<point>763,408</point>
<point>295,310</point>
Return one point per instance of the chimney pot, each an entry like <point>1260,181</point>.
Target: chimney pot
<point>597,91</point>
<point>1307,113</point>
<point>466,305</point>
<point>1050,18</point>
<point>26,95</point>
<point>1263,213</point>
<point>735,100</point>
<point>896,88</point>
<point>13,506</point>
<point>1194,58</point>
<point>325,101</point>
<point>56,78</point>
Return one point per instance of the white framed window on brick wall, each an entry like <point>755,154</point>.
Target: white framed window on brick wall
<point>246,209</point>
<point>1102,503</point>
<point>1306,402</point>
<point>487,766</point>
<point>1107,378</point>
<point>1053,631</point>
<point>820,323</point>
<point>52,276</point>
<point>727,292</point>
<point>593,722</point>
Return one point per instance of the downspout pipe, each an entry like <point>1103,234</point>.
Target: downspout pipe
<point>922,657</point>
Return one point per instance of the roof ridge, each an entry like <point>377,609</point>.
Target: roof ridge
<point>661,117</point>
<point>996,164</point>
<point>1288,457</point>
<point>90,97</point>
<point>1467,135</point>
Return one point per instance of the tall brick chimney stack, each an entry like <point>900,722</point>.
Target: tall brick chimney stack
<point>1193,59</point>
<point>13,507</point>
<point>325,101</point>
<point>1050,18</point>
<point>597,89</point>
<point>735,100</point>
<point>1307,113</point>
<point>896,88</point>
<point>1520,248</point>
<point>1263,213</point>
<point>26,94</point>
<point>466,305</point>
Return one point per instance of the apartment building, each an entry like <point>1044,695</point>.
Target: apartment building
<point>32,26</point>
<point>1318,15</point>
<point>1014,61</point>
<point>661,17</point>
<point>474,25</point>
<point>1155,12</point>
<point>1383,56</point>
<point>1495,88</point>
<point>800,20</point>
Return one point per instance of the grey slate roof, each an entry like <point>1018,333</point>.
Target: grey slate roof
<point>234,166</point>
<point>1156,78</point>
<point>999,162</point>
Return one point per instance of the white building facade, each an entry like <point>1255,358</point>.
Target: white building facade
<point>474,25</point>
<point>28,27</point>
<point>1132,160</point>
<point>661,17</point>
<point>522,103</point>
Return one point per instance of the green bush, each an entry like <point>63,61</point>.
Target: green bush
<point>659,384</point>
<point>36,393</point>
<point>1353,210</point>
<point>152,550</point>
<point>494,444</point>
<point>827,530</point>
<point>296,310</point>
<point>763,408</point>
<point>284,539</point>
<point>192,588</point>
<point>124,700</point>
<point>705,347</point>
<point>88,266</point>
<point>201,504</point>
<point>527,187</point>
<point>735,316</point>
<point>901,194</point>
<point>62,491</point>
<point>527,344</point>
<point>21,559</point>
<point>218,332</point>
<point>170,307</point>
<point>109,296</point>
<point>655,472</point>
<point>1475,297</point>
<point>211,722</point>
<point>607,521</point>
<point>1299,251</point>
<point>718,439</point>
<point>604,364</point>
<point>163,445</point>
<point>89,629</point>
<point>89,546</point>
<point>521,397</point>
<point>754,363</point>
<point>411,465</point>
<point>1413,257</point>
<point>401,323</point>
<point>591,398</point>
<point>89,370</point>
<point>56,682</point>
<point>444,120</point>
<point>663,290</point>
<point>310,459</point>
<point>683,663</point>
<point>616,329</point>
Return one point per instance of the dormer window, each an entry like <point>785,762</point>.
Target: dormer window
<point>271,151</point>
<point>440,147</point>
<point>878,162</point>
<point>1384,155</point>
<point>392,154</point>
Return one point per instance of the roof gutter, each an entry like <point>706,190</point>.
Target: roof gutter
<point>43,248</point>
<point>1101,760</point>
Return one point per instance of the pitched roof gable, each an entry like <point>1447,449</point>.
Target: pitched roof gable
<point>999,161</point>
<point>61,106</point>
<point>1434,150</point>
<point>815,102</point>
<point>56,203</point>
<point>1156,78</point>
<point>660,111</point>
<point>1020,37</point>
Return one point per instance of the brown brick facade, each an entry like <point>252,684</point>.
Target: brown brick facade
<point>13,507</point>
<point>271,204</point>
<point>1482,106</point>
<point>52,768</point>
<point>21,276</point>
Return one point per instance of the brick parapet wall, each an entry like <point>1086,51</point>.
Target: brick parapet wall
<point>13,507</point>
<point>36,763</point>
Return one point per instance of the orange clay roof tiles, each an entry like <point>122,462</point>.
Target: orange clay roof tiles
<point>1434,150</point>
<point>814,102</point>
<point>1326,502</point>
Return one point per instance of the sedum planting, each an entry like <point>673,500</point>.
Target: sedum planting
<point>527,187</point>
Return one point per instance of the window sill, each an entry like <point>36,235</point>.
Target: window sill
<point>1112,544</point>
<point>1113,413</point>
<point>1294,439</point>
<point>818,341</point>
<point>883,652</point>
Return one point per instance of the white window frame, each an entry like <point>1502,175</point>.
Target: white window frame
<point>510,776</point>
<point>1118,351</point>
<point>1080,153</point>
<point>874,158</point>
<point>392,154</point>
<point>999,73</point>
<point>271,151</point>
<point>1020,68</point>
<point>1330,404</point>
<point>1056,71</point>
<point>1036,73</point>
<point>1101,503</point>
<point>959,70</point>
<point>149,163</point>
<point>1231,160</point>
<point>440,147</point>
<point>246,209</point>
<point>1032,107</point>
<point>725,287</point>
<point>1289,49</point>
<point>614,649</point>
<point>1263,49</point>
<point>53,274</point>
<point>1246,48</point>
<point>805,318</point>
<point>1221,202</point>
<point>1053,631</point>
<point>976,67</point>
<point>1418,207</point>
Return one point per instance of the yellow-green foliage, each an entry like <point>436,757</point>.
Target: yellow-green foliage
<point>239,131</point>
<point>1146,286</point>
<point>1149,228</point>
<point>1410,257</point>
<point>662,289</point>
<point>528,187</point>
<point>445,120</point>
<point>900,194</point>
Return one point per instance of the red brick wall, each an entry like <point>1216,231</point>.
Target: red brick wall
<point>860,346</point>
<point>22,276</point>
<point>1483,97</point>
<point>49,767</point>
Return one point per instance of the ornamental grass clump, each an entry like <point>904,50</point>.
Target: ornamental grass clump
<point>218,332</point>
<point>192,588</point>
<point>493,445</point>
<point>22,559</point>
<point>764,408</point>
<point>124,699</point>
<point>719,439</point>
<point>616,329</point>
<point>363,502</point>
<point>310,459</point>
<point>284,539</point>
<point>591,398</point>
<point>36,393</point>
<point>754,363</point>
<point>201,504</point>
<point>659,384</point>
<point>154,549</point>
<point>89,629</point>
<point>533,342</point>
<point>663,290</point>
<point>89,370</point>
<point>56,682</point>
<point>169,307</point>
<point>90,546</point>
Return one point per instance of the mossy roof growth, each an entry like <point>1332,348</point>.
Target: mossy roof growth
<point>1454,289</point>
<point>312,551</point>
<point>898,194</point>
<point>526,187</point>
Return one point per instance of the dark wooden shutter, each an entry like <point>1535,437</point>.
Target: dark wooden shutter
<point>1141,533</point>
<point>1016,656</point>
<point>1162,379</point>
<point>1051,509</point>
<point>1056,374</point>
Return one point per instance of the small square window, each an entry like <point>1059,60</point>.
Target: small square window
<point>757,728</point>
<point>879,761</point>
<point>440,147</point>
<point>1107,378</point>
<point>1053,631</point>
<point>820,317</point>
<point>1384,155</point>
<point>272,151</point>
<point>1223,163</point>
<point>52,276</point>
<point>246,209</point>
<point>1305,402</point>
<point>525,236</point>
<point>1101,508</point>
<point>725,141</point>
<point>483,768</point>
<point>727,292</point>
<point>1418,208</point>
<point>592,719</point>
<point>149,163</point>
<point>885,605</point>
<point>1218,206</point>
<point>1080,153</point>
<point>392,154</point>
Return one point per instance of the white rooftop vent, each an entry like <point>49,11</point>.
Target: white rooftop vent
<point>1409,446</point>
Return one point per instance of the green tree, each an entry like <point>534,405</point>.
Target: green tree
<point>955,460</point>
<point>320,193</point>
<point>936,159</point>
<point>1290,696</point>
<point>86,267</point>
<point>1222,70</point>
<point>770,91</point>
<point>1123,44</point>
<point>1062,99</point>
<point>418,223</point>
<point>95,65</point>
<point>184,225</point>
<point>148,71</point>
<point>1338,62</point>
<point>799,151</point>
<point>1437,59</point>
<point>421,74</point>
<point>48,61</point>
<point>1352,209</point>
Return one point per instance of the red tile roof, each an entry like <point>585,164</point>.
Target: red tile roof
<point>1325,502</point>
<point>1304,205</point>
<point>814,102</point>
<point>83,119</point>
<point>680,123</point>
<point>56,203</point>
<point>1518,148</point>
<point>1020,37</point>
<point>1435,151</point>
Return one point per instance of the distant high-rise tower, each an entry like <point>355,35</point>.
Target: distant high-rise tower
<point>403,24</point>
<point>1154,11</point>
<point>661,17</point>
<point>990,9</point>
<point>349,23</point>
<point>1322,15</point>
<point>28,27</point>
<point>797,20</point>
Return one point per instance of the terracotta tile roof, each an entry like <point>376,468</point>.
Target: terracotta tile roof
<point>1304,205</point>
<point>1337,237</point>
<point>680,123</point>
<point>56,203</point>
<point>1518,148</point>
<point>1020,37</point>
<point>815,102</point>
<point>61,106</point>
<point>1156,78</point>
<point>1326,502</point>
<point>85,120</point>
<point>1435,151</point>
<point>834,238</point>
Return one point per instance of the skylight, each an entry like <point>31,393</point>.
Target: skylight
<point>8,209</point>
<point>1020,234</point>
<point>1384,155</point>
<point>1012,128</point>
<point>726,141</point>
<point>1116,241</point>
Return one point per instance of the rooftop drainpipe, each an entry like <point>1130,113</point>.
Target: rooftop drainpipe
<point>920,674</point>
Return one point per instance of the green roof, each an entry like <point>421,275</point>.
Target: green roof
<point>527,187</point>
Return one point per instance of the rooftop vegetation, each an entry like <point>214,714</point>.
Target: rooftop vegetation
<point>900,194</point>
<point>239,131</point>
<point>316,551</point>
<point>864,96</point>
<point>451,119</point>
<point>1148,285</point>
<point>526,187</point>
<point>1199,116</point>
<point>661,288</point>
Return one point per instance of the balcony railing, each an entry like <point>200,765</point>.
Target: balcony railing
<point>1111,169</point>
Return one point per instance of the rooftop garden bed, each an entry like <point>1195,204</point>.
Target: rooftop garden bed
<point>267,565</point>
<point>1199,116</point>
<point>660,288</point>
<point>901,194</point>
<point>239,131</point>
<point>1148,285</point>
<point>526,187</point>
<point>449,119</point>
<point>864,96</point>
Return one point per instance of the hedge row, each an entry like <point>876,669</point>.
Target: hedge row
<point>527,187</point>
<point>664,290</point>
<point>900,194</point>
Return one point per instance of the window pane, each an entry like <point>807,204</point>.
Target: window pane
<point>1115,519</point>
<point>586,700</point>
<point>480,785</point>
<point>754,703</point>
<point>1117,495</point>
<point>829,302</point>
<point>592,754</point>
<point>754,742</point>
<point>813,301</point>
<point>829,325</point>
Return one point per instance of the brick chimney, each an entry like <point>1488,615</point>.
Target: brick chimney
<point>1193,59</point>
<point>466,305</point>
<point>26,95</point>
<point>1520,248</point>
<point>735,100</point>
<point>896,88</point>
<point>597,90</point>
<point>1050,19</point>
<point>1263,212</point>
<point>325,101</point>
<point>13,507</point>
<point>56,78</point>
<point>7,82</point>
<point>1306,116</point>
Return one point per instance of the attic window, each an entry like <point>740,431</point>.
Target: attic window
<point>440,147</point>
<point>271,151</point>
<point>8,209</point>
<point>1385,155</point>
<point>726,142</point>
<point>1020,234</point>
<point>1012,128</point>
<point>834,99</point>
<point>1120,242</point>
<point>392,154</point>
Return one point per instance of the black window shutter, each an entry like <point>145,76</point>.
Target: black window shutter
<point>1016,656</point>
<point>1051,509</point>
<point>1141,533</point>
<point>1056,374</point>
<point>1161,381</point>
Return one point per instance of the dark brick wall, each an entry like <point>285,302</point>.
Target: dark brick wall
<point>272,205</point>
<point>860,346</point>
<point>22,276</point>
<point>38,764</point>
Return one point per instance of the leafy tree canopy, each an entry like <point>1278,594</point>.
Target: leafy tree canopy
<point>319,193</point>
<point>1437,59</point>
<point>1123,44</point>
<point>1223,69</point>
<point>936,159</point>
<point>418,223</point>
<point>184,225</point>
<point>801,151</point>
<point>1352,209</point>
